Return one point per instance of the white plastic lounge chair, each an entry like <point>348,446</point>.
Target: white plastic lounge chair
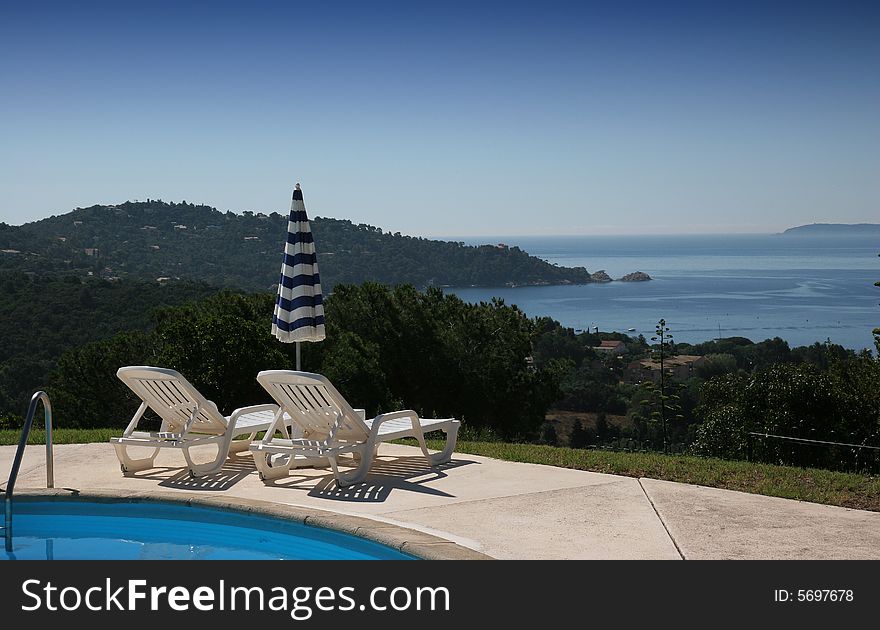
<point>188,420</point>
<point>330,427</point>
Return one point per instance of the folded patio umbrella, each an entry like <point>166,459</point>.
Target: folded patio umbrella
<point>299,307</point>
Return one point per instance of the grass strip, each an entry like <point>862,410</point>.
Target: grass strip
<point>60,436</point>
<point>804,484</point>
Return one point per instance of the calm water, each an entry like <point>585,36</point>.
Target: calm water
<point>803,289</point>
<point>76,530</point>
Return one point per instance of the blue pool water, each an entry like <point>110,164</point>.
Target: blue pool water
<point>75,530</point>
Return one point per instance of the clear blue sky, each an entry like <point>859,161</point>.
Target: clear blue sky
<point>450,119</point>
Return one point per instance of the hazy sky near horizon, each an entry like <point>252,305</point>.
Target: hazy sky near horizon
<point>486,118</point>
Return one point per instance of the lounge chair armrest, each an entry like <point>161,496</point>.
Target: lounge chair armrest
<point>253,409</point>
<point>404,413</point>
<point>242,411</point>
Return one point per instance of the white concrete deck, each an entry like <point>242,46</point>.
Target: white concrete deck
<point>506,509</point>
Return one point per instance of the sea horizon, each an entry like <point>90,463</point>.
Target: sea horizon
<point>801,288</point>
<point>491,239</point>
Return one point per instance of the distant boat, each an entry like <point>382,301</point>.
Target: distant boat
<point>630,330</point>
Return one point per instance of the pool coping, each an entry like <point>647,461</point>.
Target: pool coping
<point>415,543</point>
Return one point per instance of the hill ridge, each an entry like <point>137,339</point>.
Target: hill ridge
<point>154,239</point>
<point>834,228</point>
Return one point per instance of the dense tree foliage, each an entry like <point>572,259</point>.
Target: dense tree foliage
<point>876,331</point>
<point>837,404</point>
<point>152,239</point>
<point>85,391</point>
<point>442,356</point>
<point>386,348</point>
<point>704,420</point>
<point>224,342</point>
<point>747,354</point>
<point>41,317</point>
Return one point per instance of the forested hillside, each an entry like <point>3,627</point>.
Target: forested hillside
<point>42,317</point>
<point>154,239</point>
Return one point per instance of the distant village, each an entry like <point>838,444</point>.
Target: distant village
<point>681,366</point>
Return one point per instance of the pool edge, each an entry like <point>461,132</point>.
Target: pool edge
<point>415,543</point>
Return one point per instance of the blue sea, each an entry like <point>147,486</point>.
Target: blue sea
<point>800,288</point>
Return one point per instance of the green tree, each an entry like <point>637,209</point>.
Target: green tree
<point>876,331</point>
<point>548,434</point>
<point>661,404</point>
<point>85,392</point>
<point>442,356</point>
<point>220,345</point>
<point>580,438</point>
<point>602,427</point>
<point>716,365</point>
<point>840,404</point>
<point>353,366</point>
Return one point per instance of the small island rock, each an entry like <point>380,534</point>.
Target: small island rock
<point>636,276</point>
<point>600,276</point>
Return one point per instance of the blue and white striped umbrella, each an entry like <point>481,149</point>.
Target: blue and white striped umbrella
<point>299,307</point>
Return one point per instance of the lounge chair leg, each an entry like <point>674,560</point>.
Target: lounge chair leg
<point>446,454</point>
<point>420,438</point>
<point>451,437</point>
<point>129,465</point>
<point>267,471</point>
<point>358,474</point>
<point>200,470</point>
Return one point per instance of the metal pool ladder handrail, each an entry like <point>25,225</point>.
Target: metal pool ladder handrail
<point>19,453</point>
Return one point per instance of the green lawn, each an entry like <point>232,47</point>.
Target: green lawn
<point>60,436</point>
<point>806,484</point>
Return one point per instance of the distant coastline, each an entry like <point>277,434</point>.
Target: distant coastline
<point>755,286</point>
<point>834,229</point>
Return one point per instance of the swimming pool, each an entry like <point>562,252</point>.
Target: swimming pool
<point>77,530</point>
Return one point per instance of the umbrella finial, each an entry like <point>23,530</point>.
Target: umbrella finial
<point>297,186</point>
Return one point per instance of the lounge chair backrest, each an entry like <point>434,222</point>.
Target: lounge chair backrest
<point>314,404</point>
<point>173,398</point>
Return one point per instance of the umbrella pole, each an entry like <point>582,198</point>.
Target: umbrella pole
<point>298,364</point>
